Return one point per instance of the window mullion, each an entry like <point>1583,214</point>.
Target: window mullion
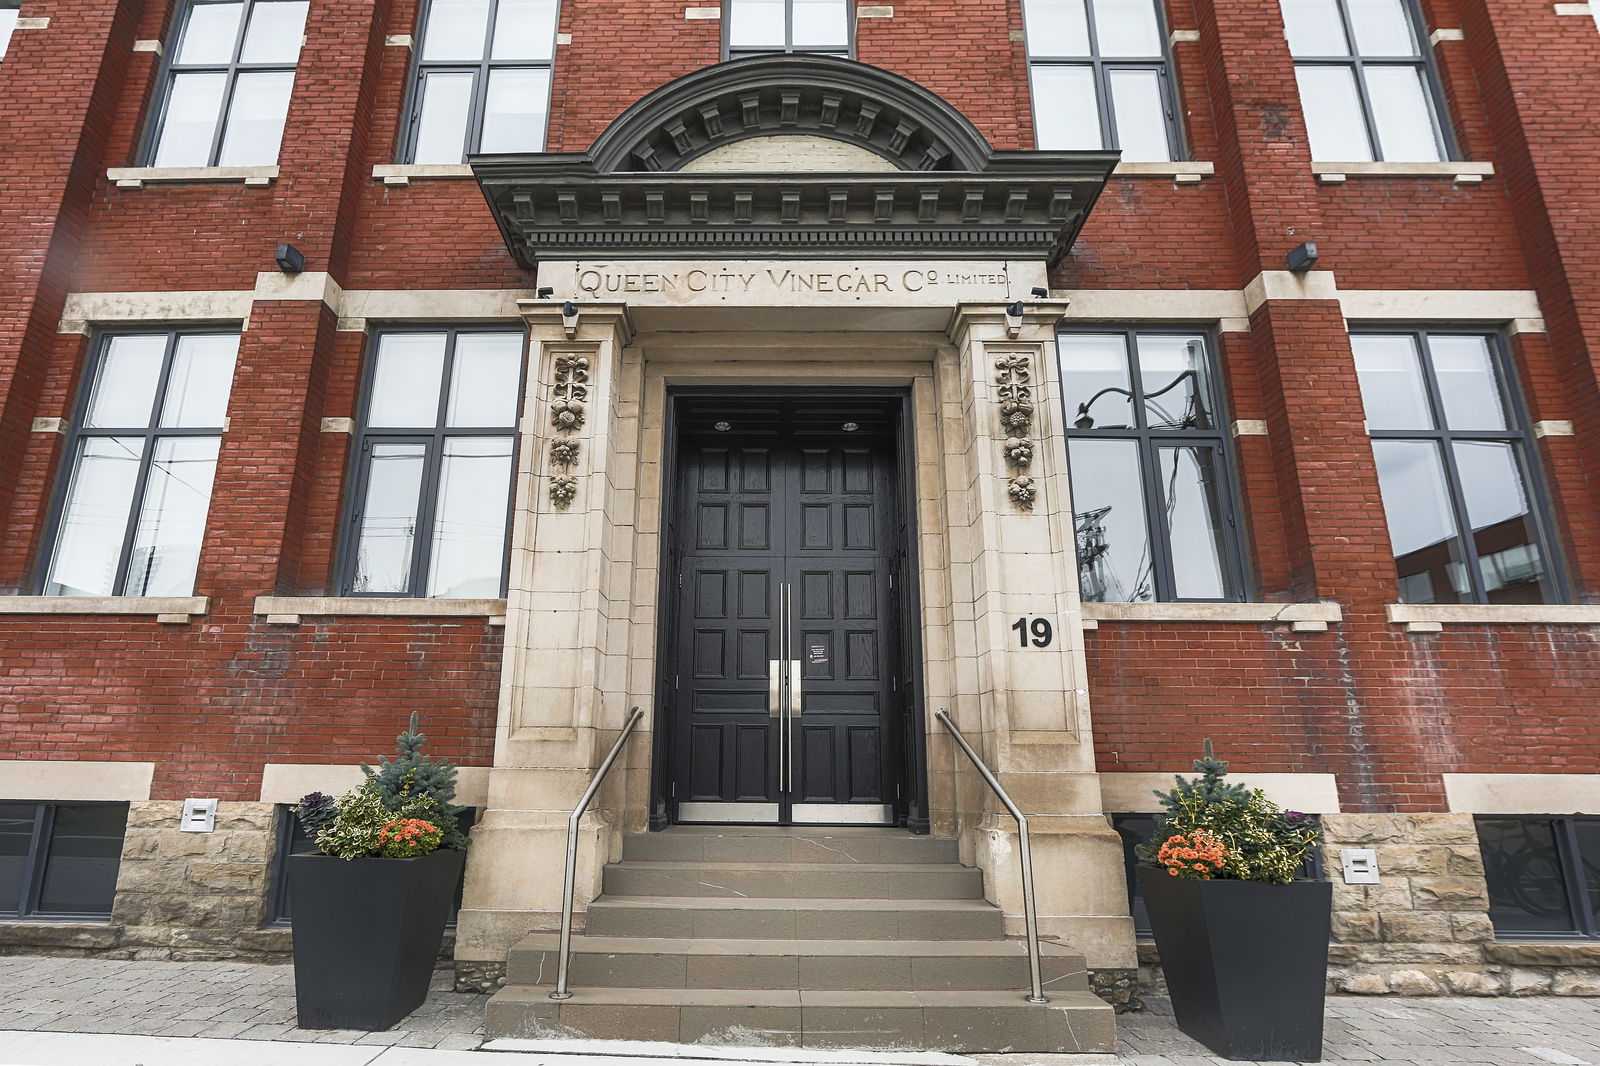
<point>1445,442</point>
<point>1572,873</point>
<point>119,586</point>
<point>1157,520</point>
<point>427,505</point>
<point>33,876</point>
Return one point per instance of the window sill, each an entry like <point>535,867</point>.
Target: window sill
<point>1433,617</point>
<point>174,610</point>
<point>1543,952</point>
<point>1183,172</point>
<point>1462,173</point>
<point>406,173</point>
<point>1301,617</point>
<point>139,177</point>
<point>79,933</point>
<point>288,610</point>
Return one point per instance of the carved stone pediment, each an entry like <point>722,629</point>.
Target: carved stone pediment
<point>947,194</point>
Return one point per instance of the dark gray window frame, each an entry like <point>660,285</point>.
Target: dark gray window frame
<point>1573,879</point>
<point>38,858</point>
<point>729,52</point>
<point>150,433</point>
<point>1432,85</point>
<point>1228,498</point>
<point>365,438</point>
<point>1520,434</point>
<point>480,86</point>
<point>1102,68</point>
<point>170,69</point>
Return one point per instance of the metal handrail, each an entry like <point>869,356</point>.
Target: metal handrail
<point>562,991</point>
<point>1029,917</point>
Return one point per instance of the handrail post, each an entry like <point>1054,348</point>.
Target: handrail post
<point>568,888</point>
<point>1024,851</point>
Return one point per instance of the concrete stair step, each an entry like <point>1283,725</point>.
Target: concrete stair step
<point>965,1021</point>
<point>915,965</point>
<point>786,844</point>
<point>795,919</point>
<point>795,880</point>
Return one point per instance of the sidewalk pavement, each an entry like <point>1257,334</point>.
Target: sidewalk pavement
<point>99,1012</point>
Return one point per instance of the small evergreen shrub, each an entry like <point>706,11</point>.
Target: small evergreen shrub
<point>1215,829</point>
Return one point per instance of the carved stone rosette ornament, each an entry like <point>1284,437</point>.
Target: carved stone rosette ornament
<point>568,397</point>
<point>1014,389</point>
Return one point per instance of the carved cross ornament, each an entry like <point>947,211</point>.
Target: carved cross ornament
<point>1014,390</point>
<point>569,396</point>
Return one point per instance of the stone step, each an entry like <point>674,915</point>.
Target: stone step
<point>786,844</point>
<point>966,1021</point>
<point>795,919</point>
<point>904,965</point>
<point>795,880</point>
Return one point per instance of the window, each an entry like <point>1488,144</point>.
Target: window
<point>60,860</point>
<point>1099,76</point>
<point>1366,84</point>
<point>1543,874</point>
<point>432,489</point>
<point>1452,454</point>
<point>225,91</point>
<point>482,79</point>
<point>292,840</point>
<point>9,10</point>
<point>141,457</point>
<point>1151,496</point>
<point>757,26</point>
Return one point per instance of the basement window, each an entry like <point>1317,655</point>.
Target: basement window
<point>60,860</point>
<point>224,94</point>
<point>1543,874</point>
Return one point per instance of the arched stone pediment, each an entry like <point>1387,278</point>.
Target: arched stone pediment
<point>761,96</point>
<point>791,156</point>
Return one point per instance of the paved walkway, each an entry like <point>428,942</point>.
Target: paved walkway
<point>225,1011</point>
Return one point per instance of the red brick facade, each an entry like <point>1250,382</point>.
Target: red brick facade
<point>1386,710</point>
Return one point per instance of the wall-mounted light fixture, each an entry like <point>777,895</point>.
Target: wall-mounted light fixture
<point>1040,293</point>
<point>569,319</point>
<point>1014,319</point>
<point>546,291</point>
<point>289,258</point>
<point>1302,257</point>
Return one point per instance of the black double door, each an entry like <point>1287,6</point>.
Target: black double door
<point>784,680</point>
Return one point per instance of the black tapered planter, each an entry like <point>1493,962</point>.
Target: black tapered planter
<point>1246,962</point>
<point>366,935</point>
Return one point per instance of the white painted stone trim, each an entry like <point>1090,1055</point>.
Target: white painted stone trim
<point>394,305</point>
<point>398,40</point>
<point>288,782</point>
<point>1441,305</point>
<point>1522,793</point>
<point>338,425</point>
<point>1183,37</point>
<point>1249,427</point>
<point>1574,9</point>
<point>50,425</point>
<point>275,285</point>
<point>186,606</point>
<point>1146,305</point>
<point>355,307</point>
<point>702,12</point>
<point>1286,285</point>
<point>1553,428</point>
<point>1460,171</point>
<point>563,38</point>
<point>1184,172</point>
<point>139,177</point>
<point>83,310</point>
<point>38,22</point>
<point>1445,35</point>
<point>1301,617</point>
<point>1133,793</point>
<point>148,46</point>
<point>1432,617</point>
<point>288,610</point>
<point>405,173</point>
<point>875,11</point>
<point>75,779</point>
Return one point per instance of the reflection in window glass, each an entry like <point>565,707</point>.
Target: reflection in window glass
<point>172,522</point>
<point>1449,454</point>
<point>205,70</point>
<point>1114,560</point>
<point>1192,495</point>
<point>1371,102</point>
<point>126,382</point>
<point>60,860</point>
<point>446,102</point>
<point>514,110</point>
<point>437,442</point>
<point>756,26</point>
<point>1174,381</point>
<point>1139,115</point>
<point>1527,886</point>
<point>16,840</point>
<point>8,24</point>
<point>1095,381</point>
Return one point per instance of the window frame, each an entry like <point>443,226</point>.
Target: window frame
<point>1519,434</point>
<point>77,433</point>
<point>730,53</point>
<point>10,33</point>
<point>38,859</point>
<point>1582,908</point>
<point>420,68</point>
<point>433,441</point>
<point>170,68</point>
<point>1101,68</point>
<point>1146,441</point>
<point>1433,85</point>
